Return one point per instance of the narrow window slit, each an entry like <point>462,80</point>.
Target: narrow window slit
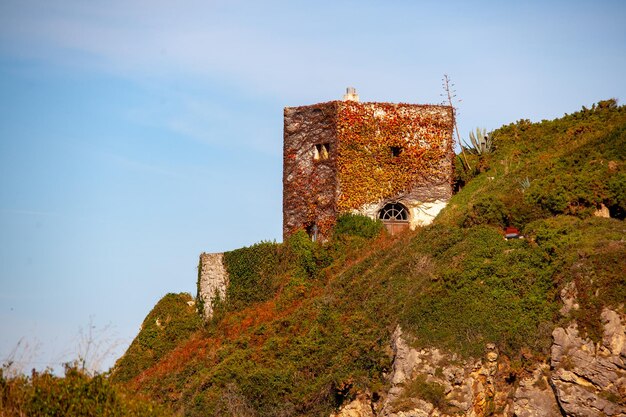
<point>321,151</point>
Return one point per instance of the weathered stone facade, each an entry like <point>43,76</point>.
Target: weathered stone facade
<point>346,156</point>
<point>212,281</point>
<point>310,186</point>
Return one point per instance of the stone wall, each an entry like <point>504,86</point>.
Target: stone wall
<point>309,184</point>
<point>212,281</point>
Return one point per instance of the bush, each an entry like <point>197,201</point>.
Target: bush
<point>419,387</point>
<point>590,253</point>
<point>253,273</point>
<point>75,394</point>
<point>487,290</point>
<point>171,321</point>
<point>357,225</point>
<point>616,202</point>
<point>487,210</point>
<point>573,165</point>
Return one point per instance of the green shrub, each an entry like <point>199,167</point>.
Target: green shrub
<point>488,290</point>
<point>307,257</point>
<point>257,272</point>
<point>357,225</point>
<point>574,165</point>
<point>420,387</point>
<point>590,253</point>
<point>487,210</point>
<point>303,253</point>
<point>75,394</point>
<point>171,321</point>
<point>616,201</point>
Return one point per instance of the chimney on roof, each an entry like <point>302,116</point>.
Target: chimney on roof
<point>351,95</point>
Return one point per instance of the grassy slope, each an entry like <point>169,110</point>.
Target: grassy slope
<point>171,321</point>
<point>321,333</point>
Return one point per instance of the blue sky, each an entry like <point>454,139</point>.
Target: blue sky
<point>136,134</point>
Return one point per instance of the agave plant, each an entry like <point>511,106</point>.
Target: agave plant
<point>482,143</point>
<point>524,184</point>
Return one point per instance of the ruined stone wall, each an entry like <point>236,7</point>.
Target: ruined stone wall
<point>377,153</point>
<point>309,178</point>
<point>212,281</point>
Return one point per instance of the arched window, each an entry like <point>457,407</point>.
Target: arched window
<point>393,212</point>
<point>395,217</point>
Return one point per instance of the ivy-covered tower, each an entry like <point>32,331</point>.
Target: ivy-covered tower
<point>383,160</point>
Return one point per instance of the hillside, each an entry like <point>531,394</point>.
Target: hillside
<point>451,319</point>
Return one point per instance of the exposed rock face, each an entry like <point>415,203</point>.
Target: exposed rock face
<point>533,397</point>
<point>603,211</point>
<point>359,407</point>
<point>433,367</point>
<point>583,379</point>
<point>588,379</point>
<point>212,281</point>
<point>614,337</point>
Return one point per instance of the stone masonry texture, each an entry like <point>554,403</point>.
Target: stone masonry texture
<point>212,281</point>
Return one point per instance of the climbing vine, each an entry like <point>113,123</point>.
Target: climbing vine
<point>310,183</point>
<point>386,149</point>
<point>315,194</point>
<point>374,151</point>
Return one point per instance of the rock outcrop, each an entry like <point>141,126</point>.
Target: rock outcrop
<point>582,379</point>
<point>361,406</point>
<point>428,367</point>
<point>590,379</point>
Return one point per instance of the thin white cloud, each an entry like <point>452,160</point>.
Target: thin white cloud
<point>140,166</point>
<point>268,54</point>
<point>26,212</point>
<point>309,52</point>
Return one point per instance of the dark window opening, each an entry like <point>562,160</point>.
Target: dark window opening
<point>321,151</point>
<point>394,212</point>
<point>312,231</point>
<point>396,151</point>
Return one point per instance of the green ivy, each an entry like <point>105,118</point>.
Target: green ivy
<point>253,273</point>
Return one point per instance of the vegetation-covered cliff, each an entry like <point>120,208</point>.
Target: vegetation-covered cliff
<point>307,328</point>
<point>452,319</point>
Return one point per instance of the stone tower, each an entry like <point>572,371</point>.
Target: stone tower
<point>384,160</point>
